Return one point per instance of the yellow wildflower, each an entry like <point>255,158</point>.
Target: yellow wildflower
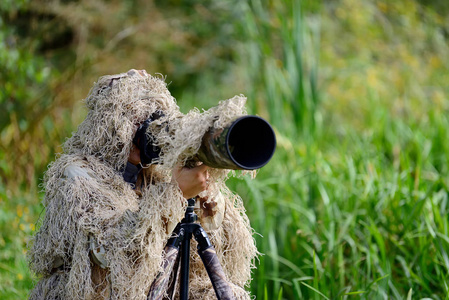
<point>19,211</point>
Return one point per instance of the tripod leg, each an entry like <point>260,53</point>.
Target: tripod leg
<point>163,280</point>
<point>216,274</point>
<point>213,266</point>
<point>159,286</point>
<point>173,279</point>
<point>185,261</point>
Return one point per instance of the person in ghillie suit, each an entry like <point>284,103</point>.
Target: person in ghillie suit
<point>108,217</point>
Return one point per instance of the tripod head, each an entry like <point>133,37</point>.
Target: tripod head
<point>190,215</point>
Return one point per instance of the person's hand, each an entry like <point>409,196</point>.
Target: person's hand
<point>191,181</point>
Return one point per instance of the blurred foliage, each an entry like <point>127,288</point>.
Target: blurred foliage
<point>52,51</point>
<point>355,205</point>
<point>282,54</point>
<point>397,51</point>
<point>21,77</point>
<point>354,202</point>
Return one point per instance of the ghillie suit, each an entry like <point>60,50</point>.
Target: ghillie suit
<point>103,238</point>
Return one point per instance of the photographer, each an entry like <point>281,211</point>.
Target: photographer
<point>109,214</point>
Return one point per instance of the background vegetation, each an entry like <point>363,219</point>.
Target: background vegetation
<point>354,203</point>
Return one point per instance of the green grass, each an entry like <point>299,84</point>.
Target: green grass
<point>354,203</point>
<point>340,218</point>
<point>17,224</point>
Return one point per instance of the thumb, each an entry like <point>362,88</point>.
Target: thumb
<point>203,168</point>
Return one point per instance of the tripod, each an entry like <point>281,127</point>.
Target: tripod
<point>180,239</point>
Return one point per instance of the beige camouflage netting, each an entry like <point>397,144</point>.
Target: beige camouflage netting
<point>88,202</point>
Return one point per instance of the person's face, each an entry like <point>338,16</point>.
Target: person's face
<point>134,155</point>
